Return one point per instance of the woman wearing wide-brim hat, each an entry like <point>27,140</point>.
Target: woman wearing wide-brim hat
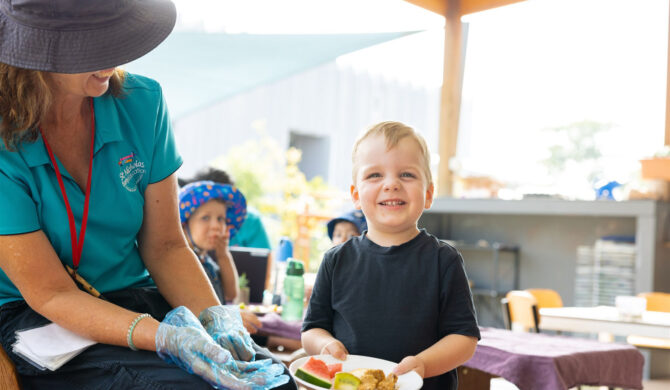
<point>89,235</point>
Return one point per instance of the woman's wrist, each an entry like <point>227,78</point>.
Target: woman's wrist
<point>144,334</point>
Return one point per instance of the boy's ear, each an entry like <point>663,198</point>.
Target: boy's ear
<point>355,197</point>
<point>429,196</point>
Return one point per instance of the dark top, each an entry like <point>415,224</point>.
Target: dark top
<point>393,302</point>
<point>213,271</point>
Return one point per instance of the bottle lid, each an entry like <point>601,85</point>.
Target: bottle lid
<point>295,268</point>
<point>285,249</point>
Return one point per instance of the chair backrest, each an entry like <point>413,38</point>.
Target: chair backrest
<point>546,297</point>
<point>520,308</point>
<point>657,301</point>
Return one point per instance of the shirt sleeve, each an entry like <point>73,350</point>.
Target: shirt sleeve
<point>252,234</point>
<point>320,311</point>
<point>457,311</point>
<point>17,208</point>
<point>166,159</point>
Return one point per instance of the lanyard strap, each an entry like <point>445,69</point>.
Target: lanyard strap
<point>77,245</point>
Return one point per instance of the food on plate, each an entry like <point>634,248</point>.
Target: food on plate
<point>345,381</point>
<point>330,376</point>
<point>316,372</point>
<point>334,369</point>
<point>374,379</point>
<point>260,310</point>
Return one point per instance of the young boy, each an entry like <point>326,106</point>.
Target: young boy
<point>345,226</point>
<point>396,293</point>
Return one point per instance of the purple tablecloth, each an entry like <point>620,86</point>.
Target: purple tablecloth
<point>274,325</point>
<point>545,362</point>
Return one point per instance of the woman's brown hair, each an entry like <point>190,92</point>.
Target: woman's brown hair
<point>25,99</point>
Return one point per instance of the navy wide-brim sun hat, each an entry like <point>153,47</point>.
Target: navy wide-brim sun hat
<point>77,36</point>
<point>355,216</point>
<point>194,195</point>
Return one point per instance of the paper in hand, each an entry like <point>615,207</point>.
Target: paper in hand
<point>49,346</point>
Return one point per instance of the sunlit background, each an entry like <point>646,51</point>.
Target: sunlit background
<point>559,96</point>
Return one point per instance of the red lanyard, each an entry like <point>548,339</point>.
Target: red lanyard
<point>77,245</point>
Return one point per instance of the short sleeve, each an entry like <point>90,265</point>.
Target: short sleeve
<point>457,311</point>
<point>17,208</point>
<point>320,311</point>
<point>252,234</point>
<point>165,160</point>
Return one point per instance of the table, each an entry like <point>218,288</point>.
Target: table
<point>604,320</point>
<point>545,362</point>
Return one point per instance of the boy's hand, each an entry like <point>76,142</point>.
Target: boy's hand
<point>410,363</point>
<point>250,321</point>
<point>335,348</point>
<point>223,240</point>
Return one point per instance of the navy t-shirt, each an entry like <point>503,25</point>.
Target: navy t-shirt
<point>393,302</point>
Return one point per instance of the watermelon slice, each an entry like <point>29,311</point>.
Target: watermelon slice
<point>334,369</point>
<point>315,371</point>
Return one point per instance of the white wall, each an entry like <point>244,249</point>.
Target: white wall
<point>326,100</point>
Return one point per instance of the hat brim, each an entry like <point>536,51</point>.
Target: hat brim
<point>236,204</point>
<point>143,27</point>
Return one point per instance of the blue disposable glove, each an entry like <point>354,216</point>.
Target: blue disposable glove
<point>182,341</point>
<point>225,325</point>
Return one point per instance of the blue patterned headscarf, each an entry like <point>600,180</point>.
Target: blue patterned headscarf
<point>195,194</point>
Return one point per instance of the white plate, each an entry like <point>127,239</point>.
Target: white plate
<point>408,381</point>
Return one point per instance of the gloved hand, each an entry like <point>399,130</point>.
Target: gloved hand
<point>225,325</point>
<point>182,341</point>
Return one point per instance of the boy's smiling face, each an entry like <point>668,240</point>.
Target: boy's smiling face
<point>391,189</point>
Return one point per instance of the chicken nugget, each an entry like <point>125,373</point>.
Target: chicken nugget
<point>368,378</point>
<point>388,383</point>
<point>378,374</point>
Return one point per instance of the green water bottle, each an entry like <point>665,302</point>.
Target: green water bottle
<point>294,291</point>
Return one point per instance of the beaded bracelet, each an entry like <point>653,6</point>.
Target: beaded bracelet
<point>131,328</point>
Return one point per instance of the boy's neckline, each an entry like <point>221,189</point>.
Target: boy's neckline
<point>374,245</point>
<point>388,243</point>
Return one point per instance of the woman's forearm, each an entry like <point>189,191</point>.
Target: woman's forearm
<point>171,263</point>
<point>180,278</point>
<point>97,319</point>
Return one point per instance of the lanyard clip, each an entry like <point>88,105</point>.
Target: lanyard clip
<point>81,282</point>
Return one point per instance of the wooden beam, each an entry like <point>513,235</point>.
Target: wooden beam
<point>437,6</point>
<point>450,106</point>
<point>472,6</point>
<point>466,6</point>
<point>667,97</point>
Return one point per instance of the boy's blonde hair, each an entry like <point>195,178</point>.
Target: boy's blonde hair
<point>393,132</point>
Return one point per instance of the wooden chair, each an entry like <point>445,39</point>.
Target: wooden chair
<point>520,311</point>
<point>546,297</point>
<point>9,379</point>
<point>656,301</point>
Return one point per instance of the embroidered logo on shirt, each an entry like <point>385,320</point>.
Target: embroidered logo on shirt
<point>131,171</point>
<point>126,159</point>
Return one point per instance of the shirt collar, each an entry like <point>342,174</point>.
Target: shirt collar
<point>107,129</point>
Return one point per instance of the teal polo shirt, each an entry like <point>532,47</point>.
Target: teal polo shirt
<point>134,147</point>
<point>252,233</point>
